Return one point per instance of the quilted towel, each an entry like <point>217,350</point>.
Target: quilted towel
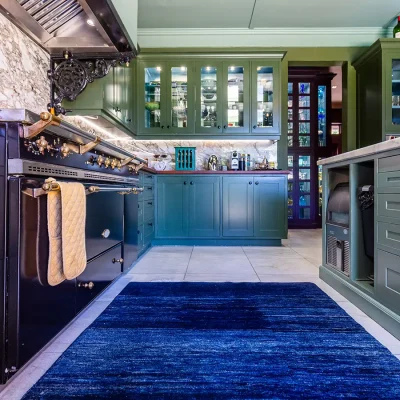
<point>66,215</point>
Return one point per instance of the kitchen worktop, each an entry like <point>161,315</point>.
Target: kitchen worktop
<point>364,151</point>
<point>208,172</point>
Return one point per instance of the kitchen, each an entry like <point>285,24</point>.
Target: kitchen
<point>174,136</point>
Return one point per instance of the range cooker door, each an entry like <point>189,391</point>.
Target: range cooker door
<point>36,312</point>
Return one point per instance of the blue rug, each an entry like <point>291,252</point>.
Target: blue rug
<point>222,341</point>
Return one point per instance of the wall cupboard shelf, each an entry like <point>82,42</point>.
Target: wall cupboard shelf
<point>208,98</point>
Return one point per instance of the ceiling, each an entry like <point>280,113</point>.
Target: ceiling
<point>163,14</point>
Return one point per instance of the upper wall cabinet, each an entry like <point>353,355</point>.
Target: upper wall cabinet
<point>378,92</point>
<point>209,98</point>
<point>110,98</point>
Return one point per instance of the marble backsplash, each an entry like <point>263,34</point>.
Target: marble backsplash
<point>23,70</point>
<point>24,84</point>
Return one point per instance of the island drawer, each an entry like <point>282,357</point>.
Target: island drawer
<point>389,164</point>
<point>388,180</point>
<point>389,236</point>
<point>147,194</point>
<point>388,205</point>
<point>148,179</point>
<point>388,279</point>
<point>140,212</point>
<point>148,209</point>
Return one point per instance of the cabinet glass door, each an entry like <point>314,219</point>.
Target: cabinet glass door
<point>209,100</point>
<point>322,123</point>
<point>304,114</point>
<point>236,104</point>
<point>396,92</point>
<point>304,186</point>
<point>264,98</point>
<point>180,99</point>
<point>152,99</point>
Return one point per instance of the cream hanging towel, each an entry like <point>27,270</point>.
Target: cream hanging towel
<point>66,216</point>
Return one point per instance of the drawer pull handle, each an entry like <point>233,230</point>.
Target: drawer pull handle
<point>257,183</point>
<point>191,183</point>
<point>117,260</point>
<point>138,232</point>
<point>150,224</point>
<point>250,183</point>
<point>185,183</point>
<point>87,285</point>
<point>149,188</point>
<point>105,233</point>
<point>150,203</point>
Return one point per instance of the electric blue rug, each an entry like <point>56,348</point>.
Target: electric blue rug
<point>223,341</point>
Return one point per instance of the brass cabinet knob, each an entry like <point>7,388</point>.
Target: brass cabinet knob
<point>107,162</point>
<point>105,233</point>
<point>87,285</point>
<point>117,260</point>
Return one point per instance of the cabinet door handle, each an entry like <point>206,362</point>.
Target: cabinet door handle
<point>117,260</point>
<point>128,120</point>
<point>167,126</point>
<point>254,126</point>
<point>191,183</point>
<point>250,183</point>
<point>257,183</point>
<point>185,183</point>
<point>138,232</point>
<point>224,126</point>
<point>162,126</point>
<point>219,126</point>
<point>87,285</point>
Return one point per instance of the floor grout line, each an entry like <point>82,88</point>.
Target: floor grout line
<point>251,264</point>
<point>184,275</point>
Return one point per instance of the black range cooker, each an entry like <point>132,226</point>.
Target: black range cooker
<point>33,149</point>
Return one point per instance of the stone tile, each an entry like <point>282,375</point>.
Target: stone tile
<point>311,252</point>
<point>156,277</point>
<point>289,278</point>
<point>332,293</point>
<point>282,265</point>
<point>165,265</point>
<point>316,261</point>
<point>257,252</point>
<point>221,278</point>
<point>174,250</point>
<point>216,265</point>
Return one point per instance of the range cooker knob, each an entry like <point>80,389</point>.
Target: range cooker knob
<point>65,150</point>
<point>119,164</point>
<point>114,163</point>
<point>107,162</point>
<point>100,160</point>
<point>42,144</point>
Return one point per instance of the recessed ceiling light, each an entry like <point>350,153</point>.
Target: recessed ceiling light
<point>208,68</point>
<point>90,22</point>
<point>334,87</point>
<point>232,68</point>
<point>183,68</point>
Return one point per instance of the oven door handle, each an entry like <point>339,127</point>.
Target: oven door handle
<point>53,186</point>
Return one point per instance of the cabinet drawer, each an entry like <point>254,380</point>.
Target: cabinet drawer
<point>389,235</point>
<point>389,180</point>
<point>388,279</point>
<point>140,212</point>
<point>140,237</point>
<point>148,232</point>
<point>388,164</point>
<point>148,179</point>
<point>148,193</point>
<point>103,229</point>
<point>148,210</point>
<point>388,205</point>
<point>99,273</point>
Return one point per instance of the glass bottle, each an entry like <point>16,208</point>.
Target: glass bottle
<point>396,29</point>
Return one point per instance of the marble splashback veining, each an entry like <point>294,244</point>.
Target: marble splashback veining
<point>23,70</point>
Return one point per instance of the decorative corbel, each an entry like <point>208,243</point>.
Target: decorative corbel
<point>136,167</point>
<point>46,119</point>
<point>126,161</point>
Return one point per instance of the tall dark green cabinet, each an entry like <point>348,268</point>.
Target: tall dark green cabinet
<point>378,92</point>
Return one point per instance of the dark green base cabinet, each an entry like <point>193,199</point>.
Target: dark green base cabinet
<point>146,211</point>
<point>221,210</point>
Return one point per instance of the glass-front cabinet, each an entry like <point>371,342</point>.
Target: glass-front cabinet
<point>209,97</point>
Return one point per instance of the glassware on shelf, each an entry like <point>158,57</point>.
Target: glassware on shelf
<point>208,97</point>
<point>152,97</point>
<point>396,92</point>
<point>179,97</point>
<point>265,92</point>
<point>321,116</point>
<point>235,96</point>
<point>304,88</point>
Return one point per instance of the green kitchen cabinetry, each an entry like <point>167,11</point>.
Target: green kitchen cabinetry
<point>237,206</point>
<point>208,97</point>
<point>188,206</point>
<point>165,97</point>
<point>254,207</point>
<point>146,207</point>
<point>109,99</point>
<point>218,209</point>
<point>378,92</point>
